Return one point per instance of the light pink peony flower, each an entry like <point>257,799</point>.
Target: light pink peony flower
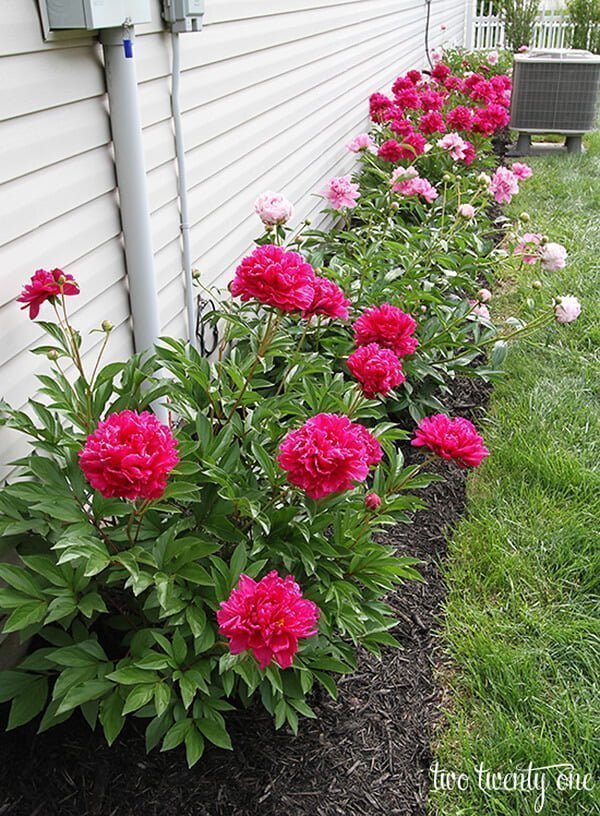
<point>129,456</point>
<point>267,617</point>
<point>407,182</point>
<point>553,257</point>
<point>328,300</point>
<point>45,286</point>
<point>493,58</point>
<point>360,143</point>
<point>273,208</point>
<point>389,326</point>
<point>377,369</point>
<point>341,192</point>
<point>328,454</point>
<point>528,247</point>
<point>522,171</point>
<point>504,185</point>
<point>437,54</point>
<point>523,48</point>
<point>484,295</point>
<point>448,438</point>
<point>276,277</point>
<point>466,211</point>
<point>455,145</point>
<point>478,309</point>
<point>567,309</point>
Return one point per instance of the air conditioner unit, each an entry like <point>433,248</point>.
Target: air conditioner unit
<point>554,91</point>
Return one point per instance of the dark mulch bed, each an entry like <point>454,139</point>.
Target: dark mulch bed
<point>367,753</point>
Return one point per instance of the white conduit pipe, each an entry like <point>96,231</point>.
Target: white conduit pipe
<point>182,187</point>
<point>126,125</point>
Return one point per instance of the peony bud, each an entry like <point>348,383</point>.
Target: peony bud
<point>447,178</point>
<point>196,274</point>
<point>52,354</point>
<point>466,211</point>
<point>308,222</point>
<point>372,501</point>
<point>525,217</point>
<point>107,326</point>
<point>483,179</point>
<point>395,205</point>
<point>536,284</point>
<point>484,295</point>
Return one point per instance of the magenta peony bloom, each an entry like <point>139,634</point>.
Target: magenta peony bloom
<point>504,185</point>
<point>440,72</point>
<point>267,617</point>
<point>414,76</point>
<point>389,326</point>
<point>466,210</point>
<point>328,454</point>
<point>377,369</point>
<point>431,122</point>
<point>553,257</point>
<point>448,438</point>
<point>328,299</point>
<point>407,98</point>
<point>390,151</point>
<point>129,456</point>
<point>45,286</point>
<point>522,171</point>
<point>567,309</point>
<point>379,105</point>
<point>528,247</point>
<point>360,143</point>
<point>273,208</point>
<point>341,192</point>
<point>276,277</point>
<point>372,501</point>
<point>460,118</point>
<point>431,101</point>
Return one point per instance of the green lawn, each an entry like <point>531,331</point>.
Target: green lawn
<point>522,624</point>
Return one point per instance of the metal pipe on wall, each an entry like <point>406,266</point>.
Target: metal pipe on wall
<point>126,125</point>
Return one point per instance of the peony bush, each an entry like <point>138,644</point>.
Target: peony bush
<point>197,534</point>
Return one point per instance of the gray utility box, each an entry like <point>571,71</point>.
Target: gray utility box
<point>554,91</point>
<point>93,14</point>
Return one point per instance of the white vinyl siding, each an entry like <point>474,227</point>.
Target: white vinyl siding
<point>272,91</point>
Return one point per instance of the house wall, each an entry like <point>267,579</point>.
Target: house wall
<point>272,90</point>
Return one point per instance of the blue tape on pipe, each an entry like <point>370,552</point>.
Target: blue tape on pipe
<point>128,48</point>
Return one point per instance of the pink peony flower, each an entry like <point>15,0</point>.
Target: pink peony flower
<point>407,98</point>
<point>431,101</point>
<point>479,310</point>
<point>377,369</point>
<point>389,326</point>
<point>523,48</point>
<point>466,211</point>
<point>493,58</point>
<point>276,277</point>
<point>267,617</point>
<point>360,143</point>
<point>414,186</point>
<point>432,123</point>
<point>504,185</point>
<point>460,118</point>
<point>273,208</point>
<point>328,454</point>
<point>448,438</point>
<point>372,501</point>
<point>45,286</point>
<point>414,76</point>
<point>440,72</point>
<point>454,144</point>
<point>528,247</point>
<point>129,456</point>
<point>390,151</point>
<point>553,257</point>
<point>484,295</point>
<point>437,55</point>
<point>379,105</point>
<point>341,192</point>
<point>567,309</point>
<point>328,299</point>
<point>522,171</point>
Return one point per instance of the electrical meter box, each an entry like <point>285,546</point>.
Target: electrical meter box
<point>93,14</point>
<point>183,15</point>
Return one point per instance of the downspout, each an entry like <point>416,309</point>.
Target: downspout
<point>184,210</point>
<point>126,124</point>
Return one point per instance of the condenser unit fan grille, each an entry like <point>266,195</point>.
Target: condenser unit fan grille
<point>555,95</point>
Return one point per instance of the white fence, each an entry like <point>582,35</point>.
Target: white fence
<point>550,30</point>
